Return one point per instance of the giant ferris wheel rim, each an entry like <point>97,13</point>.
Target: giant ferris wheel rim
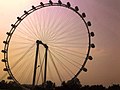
<point>27,13</point>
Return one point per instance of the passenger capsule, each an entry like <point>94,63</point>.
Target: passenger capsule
<point>59,2</point>
<point>76,8</point>
<point>5,42</point>
<point>19,18</point>
<point>13,25</point>
<point>92,34</point>
<point>8,33</point>
<point>10,78</point>
<point>83,15</point>
<point>5,69</point>
<point>90,57</point>
<point>3,60</point>
<point>50,2</point>
<point>25,12</point>
<point>89,23</point>
<point>4,51</point>
<point>92,45</point>
<point>33,7</point>
<point>85,69</point>
<point>41,3</point>
<point>68,4</point>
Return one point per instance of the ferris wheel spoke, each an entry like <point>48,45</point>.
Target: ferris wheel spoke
<point>19,60</point>
<point>41,68</point>
<point>25,31</point>
<point>24,36</point>
<point>29,75</point>
<point>72,36</point>
<point>3,76</point>
<point>69,60</point>
<point>38,24</point>
<point>71,42</point>
<point>21,43</point>
<point>29,30</point>
<point>35,24</point>
<point>51,24</point>
<point>68,18</point>
<point>55,66</point>
<point>70,53</point>
<point>69,72</point>
<point>43,27</point>
<point>75,51</point>
<point>69,45</point>
<point>24,69</point>
<point>20,65</point>
<point>49,37</point>
<point>63,30</point>
<point>20,49</point>
<point>50,74</point>
<point>67,42</point>
<point>54,24</point>
<point>32,24</point>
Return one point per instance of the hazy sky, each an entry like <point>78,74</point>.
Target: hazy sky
<point>105,18</point>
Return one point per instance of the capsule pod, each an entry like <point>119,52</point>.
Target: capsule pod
<point>25,12</point>
<point>10,78</point>
<point>90,57</point>
<point>85,69</point>
<point>5,69</point>
<point>33,7</point>
<point>68,4</point>
<point>89,23</point>
<point>41,3</point>
<point>4,51</point>
<point>4,60</point>
<point>76,8</point>
<point>8,33</point>
<point>50,2</point>
<point>19,18</point>
<point>83,15</point>
<point>59,2</point>
<point>92,34</point>
<point>5,42</point>
<point>93,45</point>
<point>13,25</point>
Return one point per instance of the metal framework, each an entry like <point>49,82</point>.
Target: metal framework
<point>38,42</point>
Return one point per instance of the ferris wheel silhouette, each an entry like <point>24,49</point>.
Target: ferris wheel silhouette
<point>51,41</point>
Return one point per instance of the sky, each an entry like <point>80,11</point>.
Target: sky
<point>105,18</point>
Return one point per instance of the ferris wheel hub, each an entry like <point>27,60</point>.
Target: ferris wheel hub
<point>40,42</point>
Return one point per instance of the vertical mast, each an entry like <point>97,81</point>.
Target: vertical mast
<point>35,66</point>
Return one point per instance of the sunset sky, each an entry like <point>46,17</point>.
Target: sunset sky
<point>105,18</point>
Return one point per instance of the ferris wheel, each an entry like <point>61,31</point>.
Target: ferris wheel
<point>51,41</point>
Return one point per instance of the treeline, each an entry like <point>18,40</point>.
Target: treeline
<point>70,85</point>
